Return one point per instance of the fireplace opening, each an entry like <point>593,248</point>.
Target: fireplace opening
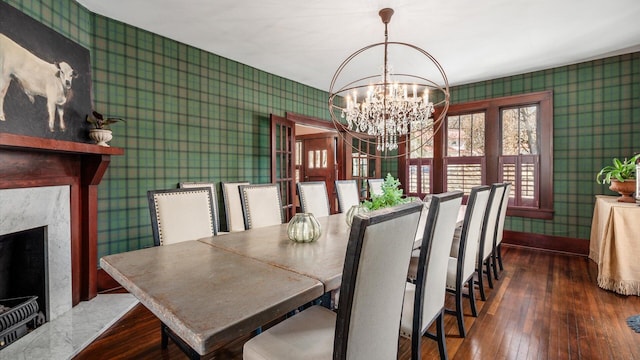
<point>23,295</point>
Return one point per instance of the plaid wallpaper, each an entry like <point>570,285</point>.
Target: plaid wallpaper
<point>195,116</point>
<point>190,115</point>
<point>596,109</point>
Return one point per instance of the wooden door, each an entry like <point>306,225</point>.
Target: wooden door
<point>319,162</point>
<point>283,136</point>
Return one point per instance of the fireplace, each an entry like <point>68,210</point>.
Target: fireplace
<point>53,185</point>
<point>36,221</point>
<point>23,293</point>
<point>30,165</point>
<point>22,266</point>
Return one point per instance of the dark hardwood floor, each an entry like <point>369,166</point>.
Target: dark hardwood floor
<point>545,306</point>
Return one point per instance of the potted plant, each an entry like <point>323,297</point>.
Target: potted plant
<point>101,132</point>
<point>391,195</point>
<point>621,177</point>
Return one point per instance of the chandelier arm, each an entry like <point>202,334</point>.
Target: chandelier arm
<point>348,60</point>
<point>435,62</point>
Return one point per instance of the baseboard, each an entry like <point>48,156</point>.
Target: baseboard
<point>106,284</point>
<point>547,242</point>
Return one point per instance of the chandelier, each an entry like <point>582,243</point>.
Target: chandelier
<point>390,108</point>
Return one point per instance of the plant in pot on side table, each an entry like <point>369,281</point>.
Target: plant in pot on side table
<point>101,133</point>
<point>621,176</point>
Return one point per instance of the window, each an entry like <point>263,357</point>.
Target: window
<point>419,181</point>
<point>298,164</point>
<point>364,164</point>
<point>519,157</point>
<point>464,165</point>
<point>483,142</point>
<point>419,167</point>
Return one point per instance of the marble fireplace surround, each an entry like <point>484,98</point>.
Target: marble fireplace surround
<point>30,162</point>
<point>28,208</point>
<point>57,182</point>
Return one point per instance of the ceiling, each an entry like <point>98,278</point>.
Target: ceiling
<point>306,41</point>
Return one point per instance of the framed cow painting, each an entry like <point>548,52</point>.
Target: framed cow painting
<point>45,80</point>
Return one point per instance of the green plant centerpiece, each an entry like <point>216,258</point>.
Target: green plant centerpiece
<point>101,132</point>
<point>391,195</point>
<point>621,177</point>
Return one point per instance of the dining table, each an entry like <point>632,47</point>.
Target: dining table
<point>322,259</point>
<point>206,295</point>
<point>218,288</point>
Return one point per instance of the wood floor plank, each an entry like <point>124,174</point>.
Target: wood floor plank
<point>545,306</point>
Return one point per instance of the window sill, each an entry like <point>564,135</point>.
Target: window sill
<point>532,213</point>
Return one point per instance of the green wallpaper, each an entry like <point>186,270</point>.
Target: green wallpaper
<point>596,117</point>
<point>195,116</point>
<point>190,115</point>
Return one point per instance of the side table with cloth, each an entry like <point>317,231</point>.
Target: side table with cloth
<point>615,245</point>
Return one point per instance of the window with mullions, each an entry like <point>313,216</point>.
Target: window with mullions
<point>494,140</point>
<point>364,164</point>
<point>464,164</point>
<point>420,163</point>
<point>519,157</point>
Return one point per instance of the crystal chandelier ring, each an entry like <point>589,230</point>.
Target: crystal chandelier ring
<point>392,110</point>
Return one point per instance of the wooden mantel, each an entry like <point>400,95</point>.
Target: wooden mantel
<point>27,161</point>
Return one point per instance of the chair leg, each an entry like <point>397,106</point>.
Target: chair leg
<point>472,298</point>
<point>488,269</point>
<point>442,344</point>
<point>494,263</point>
<point>415,345</point>
<point>480,284</point>
<point>459,314</point>
<point>500,257</point>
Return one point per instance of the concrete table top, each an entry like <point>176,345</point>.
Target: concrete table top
<point>322,259</point>
<point>205,294</point>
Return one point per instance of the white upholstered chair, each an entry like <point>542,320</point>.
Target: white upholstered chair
<point>497,252</point>
<point>366,325</point>
<point>487,238</point>
<point>181,214</point>
<point>261,205</point>
<point>214,198</point>
<point>463,265</point>
<point>233,205</point>
<point>375,187</point>
<point>314,198</point>
<point>424,300</point>
<point>418,240</point>
<point>347,191</point>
